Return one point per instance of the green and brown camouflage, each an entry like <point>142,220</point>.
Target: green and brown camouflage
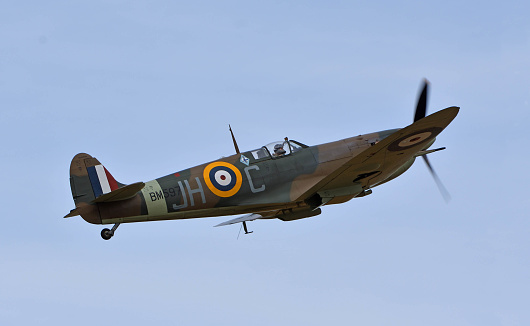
<point>262,182</point>
<point>286,180</point>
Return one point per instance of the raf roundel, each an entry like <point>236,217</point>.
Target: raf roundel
<point>414,139</point>
<point>223,179</point>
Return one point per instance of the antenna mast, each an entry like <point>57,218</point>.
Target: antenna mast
<point>234,139</point>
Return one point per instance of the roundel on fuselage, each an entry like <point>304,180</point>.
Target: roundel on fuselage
<point>222,178</point>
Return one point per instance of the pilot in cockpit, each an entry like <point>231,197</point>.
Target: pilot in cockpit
<point>278,150</point>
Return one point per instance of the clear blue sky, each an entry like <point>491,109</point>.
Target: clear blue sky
<point>149,88</point>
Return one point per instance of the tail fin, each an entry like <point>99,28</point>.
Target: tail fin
<point>92,183</point>
<point>89,179</point>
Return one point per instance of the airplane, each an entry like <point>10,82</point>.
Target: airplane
<point>286,180</point>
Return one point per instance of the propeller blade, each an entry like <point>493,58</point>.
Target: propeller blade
<point>421,107</point>
<point>443,191</point>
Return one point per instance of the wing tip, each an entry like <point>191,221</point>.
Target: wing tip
<point>244,218</point>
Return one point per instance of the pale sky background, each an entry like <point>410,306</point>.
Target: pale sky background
<point>149,88</point>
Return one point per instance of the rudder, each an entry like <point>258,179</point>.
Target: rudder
<point>89,179</point>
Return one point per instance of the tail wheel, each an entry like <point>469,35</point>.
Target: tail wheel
<point>106,234</point>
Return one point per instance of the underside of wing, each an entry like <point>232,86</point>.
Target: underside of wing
<point>249,217</point>
<point>382,160</point>
<point>290,214</point>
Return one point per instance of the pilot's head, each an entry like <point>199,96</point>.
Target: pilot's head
<point>278,149</point>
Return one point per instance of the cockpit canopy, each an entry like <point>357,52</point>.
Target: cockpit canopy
<point>278,149</point>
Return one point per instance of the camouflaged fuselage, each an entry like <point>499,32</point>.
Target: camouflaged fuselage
<point>250,184</point>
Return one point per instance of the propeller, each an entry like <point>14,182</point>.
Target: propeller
<point>443,191</point>
<point>421,111</point>
<point>421,107</point>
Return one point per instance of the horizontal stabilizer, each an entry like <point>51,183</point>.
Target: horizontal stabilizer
<point>80,209</point>
<point>246,218</point>
<point>73,212</point>
<point>123,193</point>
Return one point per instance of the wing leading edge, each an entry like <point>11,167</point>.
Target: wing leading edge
<point>386,156</point>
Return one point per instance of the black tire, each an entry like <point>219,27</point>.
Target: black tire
<point>106,234</point>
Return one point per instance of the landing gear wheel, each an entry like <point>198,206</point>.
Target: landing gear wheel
<point>106,234</point>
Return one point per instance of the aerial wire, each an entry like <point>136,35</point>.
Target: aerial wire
<point>239,231</point>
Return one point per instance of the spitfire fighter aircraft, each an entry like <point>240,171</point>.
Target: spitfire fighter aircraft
<point>287,180</point>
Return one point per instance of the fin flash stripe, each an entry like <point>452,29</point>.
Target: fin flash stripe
<point>102,181</point>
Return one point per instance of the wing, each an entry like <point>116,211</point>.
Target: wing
<point>250,217</point>
<point>383,159</point>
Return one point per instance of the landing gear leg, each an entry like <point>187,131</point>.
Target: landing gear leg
<point>106,234</point>
<point>245,227</point>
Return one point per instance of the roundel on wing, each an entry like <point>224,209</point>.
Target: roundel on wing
<point>414,139</point>
<point>222,178</point>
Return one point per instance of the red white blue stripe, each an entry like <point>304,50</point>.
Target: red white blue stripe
<point>102,181</point>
